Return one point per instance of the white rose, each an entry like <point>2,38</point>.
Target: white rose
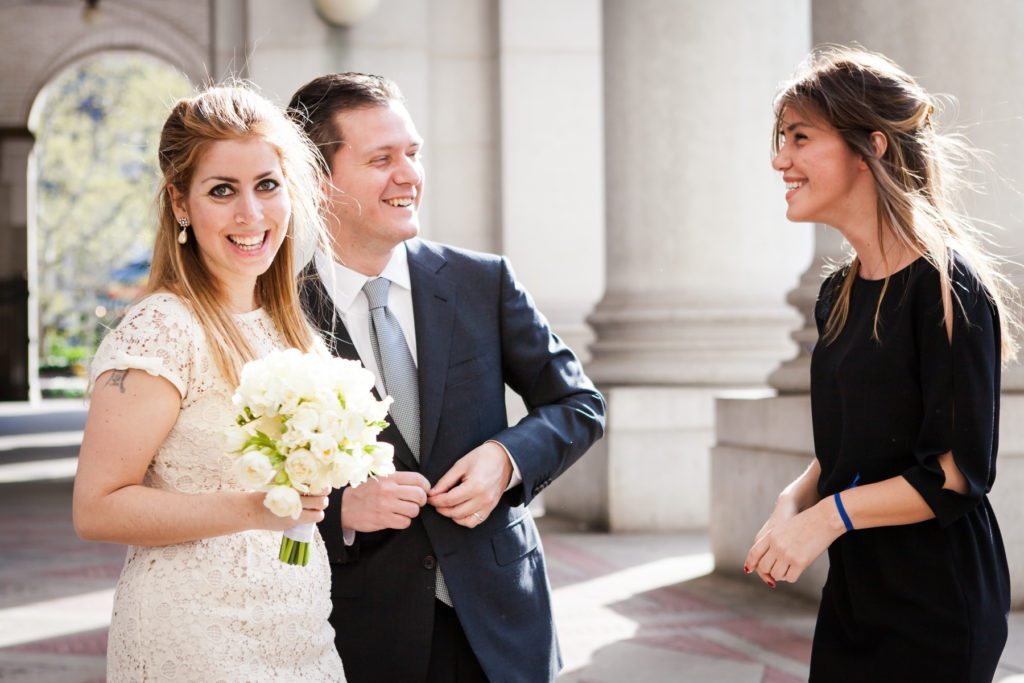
<point>254,470</point>
<point>323,448</point>
<point>292,440</point>
<point>323,480</point>
<point>302,467</point>
<point>283,501</point>
<point>233,439</point>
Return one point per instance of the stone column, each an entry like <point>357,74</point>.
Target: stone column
<point>794,376</point>
<point>229,43</point>
<point>552,182</point>
<point>950,48</point>
<point>18,352</point>
<point>699,254</point>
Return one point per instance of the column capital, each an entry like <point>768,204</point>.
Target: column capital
<point>644,343</point>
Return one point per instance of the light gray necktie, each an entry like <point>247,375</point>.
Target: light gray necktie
<point>397,369</point>
<point>398,373</point>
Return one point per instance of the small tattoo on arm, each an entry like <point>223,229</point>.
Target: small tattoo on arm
<point>117,378</point>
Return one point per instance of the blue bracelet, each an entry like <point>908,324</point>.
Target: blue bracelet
<point>842,512</point>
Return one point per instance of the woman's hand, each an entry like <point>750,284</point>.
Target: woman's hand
<point>788,543</point>
<point>313,506</point>
<point>785,510</point>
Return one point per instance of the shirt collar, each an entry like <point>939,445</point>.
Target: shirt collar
<point>348,283</point>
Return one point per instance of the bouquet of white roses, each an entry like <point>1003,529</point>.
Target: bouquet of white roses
<point>306,422</point>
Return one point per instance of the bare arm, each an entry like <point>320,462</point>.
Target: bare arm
<point>130,415</point>
<point>894,502</point>
<point>802,493</point>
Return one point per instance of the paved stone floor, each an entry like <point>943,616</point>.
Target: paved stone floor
<point>633,608</point>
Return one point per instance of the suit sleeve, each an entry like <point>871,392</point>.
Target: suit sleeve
<point>566,412</point>
<point>334,535</point>
<point>960,394</point>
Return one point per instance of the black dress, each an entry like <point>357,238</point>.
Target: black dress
<point>928,601</point>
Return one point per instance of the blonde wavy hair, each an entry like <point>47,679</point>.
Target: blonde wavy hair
<point>236,112</point>
<point>917,178</point>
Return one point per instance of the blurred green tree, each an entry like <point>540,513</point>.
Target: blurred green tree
<point>97,132</point>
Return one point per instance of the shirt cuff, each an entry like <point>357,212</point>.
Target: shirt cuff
<point>517,477</point>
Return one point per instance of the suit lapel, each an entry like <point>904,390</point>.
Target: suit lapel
<point>320,306</point>
<point>433,300</point>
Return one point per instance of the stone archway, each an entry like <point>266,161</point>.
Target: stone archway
<point>42,39</point>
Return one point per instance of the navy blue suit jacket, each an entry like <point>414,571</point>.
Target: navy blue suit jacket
<point>476,331</point>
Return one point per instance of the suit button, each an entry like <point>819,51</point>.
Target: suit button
<point>429,562</point>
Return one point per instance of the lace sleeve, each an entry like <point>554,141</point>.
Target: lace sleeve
<point>157,335</point>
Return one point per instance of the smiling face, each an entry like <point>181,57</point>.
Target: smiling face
<point>377,177</point>
<point>239,210</point>
<point>826,181</point>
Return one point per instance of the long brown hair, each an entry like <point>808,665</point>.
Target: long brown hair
<point>917,178</point>
<point>236,113</point>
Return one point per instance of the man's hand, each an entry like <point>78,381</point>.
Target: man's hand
<point>384,503</point>
<point>469,491</point>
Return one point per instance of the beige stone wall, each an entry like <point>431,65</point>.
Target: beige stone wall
<point>42,38</point>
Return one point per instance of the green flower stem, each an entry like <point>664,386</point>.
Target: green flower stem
<point>286,549</point>
<point>293,552</point>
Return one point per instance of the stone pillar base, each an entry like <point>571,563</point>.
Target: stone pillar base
<point>651,471</point>
<point>764,444</point>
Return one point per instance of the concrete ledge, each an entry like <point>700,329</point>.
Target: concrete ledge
<point>652,471</point>
<point>744,485</point>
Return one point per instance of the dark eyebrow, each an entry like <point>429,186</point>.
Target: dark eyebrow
<point>797,124</point>
<point>226,179</point>
<point>386,147</point>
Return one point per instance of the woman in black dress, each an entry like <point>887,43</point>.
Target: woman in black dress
<point>904,388</point>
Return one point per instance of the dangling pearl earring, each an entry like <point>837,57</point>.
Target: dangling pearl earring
<point>183,236</point>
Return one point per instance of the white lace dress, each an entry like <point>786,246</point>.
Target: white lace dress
<point>224,608</point>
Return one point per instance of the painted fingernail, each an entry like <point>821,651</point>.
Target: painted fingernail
<point>771,584</point>
<point>746,569</point>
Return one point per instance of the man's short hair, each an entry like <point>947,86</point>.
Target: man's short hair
<point>315,106</point>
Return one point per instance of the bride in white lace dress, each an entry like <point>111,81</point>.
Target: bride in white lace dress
<point>203,596</point>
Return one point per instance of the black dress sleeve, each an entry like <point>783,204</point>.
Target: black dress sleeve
<point>959,392</point>
<point>827,294</point>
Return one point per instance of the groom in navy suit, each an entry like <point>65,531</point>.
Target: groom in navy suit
<point>438,572</point>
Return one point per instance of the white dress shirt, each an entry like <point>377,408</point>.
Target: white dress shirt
<point>346,291</point>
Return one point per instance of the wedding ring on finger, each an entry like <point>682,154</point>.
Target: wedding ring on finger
<point>478,517</point>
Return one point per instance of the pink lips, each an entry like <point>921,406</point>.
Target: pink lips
<point>252,252</point>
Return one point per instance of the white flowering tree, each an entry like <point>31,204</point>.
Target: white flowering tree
<point>97,128</point>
